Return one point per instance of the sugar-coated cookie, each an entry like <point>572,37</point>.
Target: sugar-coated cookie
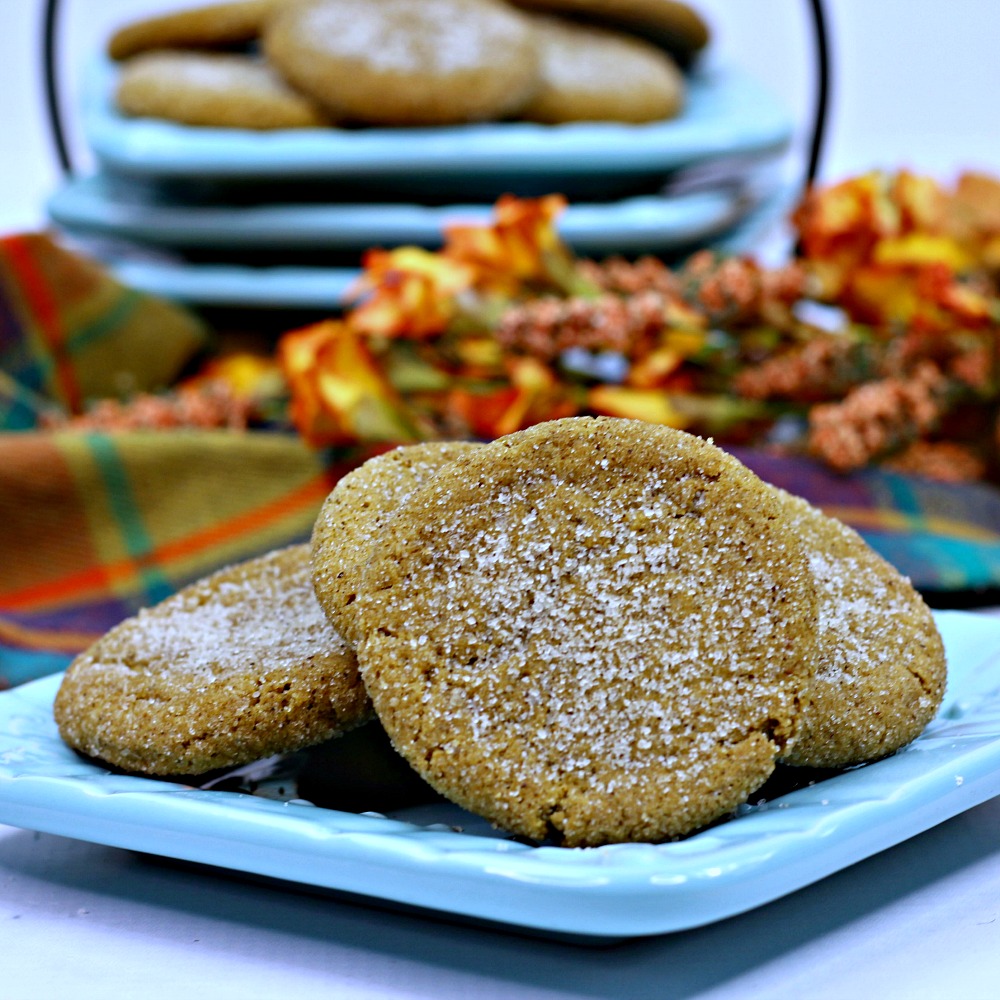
<point>881,667</point>
<point>351,521</point>
<point>592,74</point>
<point>407,62</point>
<point>236,667</point>
<point>591,631</point>
<point>205,26</point>
<point>673,26</point>
<point>213,90</point>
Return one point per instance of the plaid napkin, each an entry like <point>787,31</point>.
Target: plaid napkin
<point>94,526</point>
<point>944,536</point>
<point>69,332</point>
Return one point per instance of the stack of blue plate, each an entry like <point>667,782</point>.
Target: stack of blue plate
<point>230,217</point>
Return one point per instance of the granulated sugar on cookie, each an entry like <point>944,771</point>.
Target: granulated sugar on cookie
<point>237,667</point>
<point>881,667</point>
<point>352,518</point>
<point>591,631</point>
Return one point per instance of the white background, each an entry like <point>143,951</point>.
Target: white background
<point>915,82</point>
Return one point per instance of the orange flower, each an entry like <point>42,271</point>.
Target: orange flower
<point>339,394</point>
<point>922,203</point>
<point>656,367</point>
<point>891,249</point>
<point>845,219</point>
<point>521,246</point>
<point>409,292</point>
<point>920,249</point>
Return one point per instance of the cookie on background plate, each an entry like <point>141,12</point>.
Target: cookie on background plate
<point>591,631</point>
<point>234,668</point>
<point>407,62</point>
<point>591,74</point>
<point>673,26</point>
<point>352,518</point>
<point>209,26</point>
<point>219,90</point>
<point>881,668</point>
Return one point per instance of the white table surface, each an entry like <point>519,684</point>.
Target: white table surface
<point>77,920</point>
<point>915,85</point>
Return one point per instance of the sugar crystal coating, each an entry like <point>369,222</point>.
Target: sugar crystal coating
<point>595,630</point>
<point>236,667</point>
<point>352,517</point>
<point>881,666</point>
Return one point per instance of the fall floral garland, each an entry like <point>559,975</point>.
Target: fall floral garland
<point>877,343</point>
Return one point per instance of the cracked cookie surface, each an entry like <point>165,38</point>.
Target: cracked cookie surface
<point>591,631</point>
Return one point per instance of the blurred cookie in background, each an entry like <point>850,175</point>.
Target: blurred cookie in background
<point>592,74</point>
<point>213,89</point>
<point>209,26</point>
<point>407,62</point>
<point>673,26</point>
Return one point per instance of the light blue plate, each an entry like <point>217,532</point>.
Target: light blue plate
<point>618,891</point>
<point>233,286</point>
<point>726,114</point>
<point>325,288</point>
<point>108,207</point>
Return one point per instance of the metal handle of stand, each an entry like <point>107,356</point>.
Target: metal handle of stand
<point>50,63</point>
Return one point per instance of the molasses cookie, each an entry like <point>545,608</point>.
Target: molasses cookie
<point>213,90</point>
<point>673,26</point>
<point>590,74</point>
<point>591,631</point>
<point>212,26</point>
<point>236,667</point>
<point>881,671</point>
<point>353,517</point>
<point>407,62</point>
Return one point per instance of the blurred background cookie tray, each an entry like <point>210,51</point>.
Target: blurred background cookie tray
<point>727,114</point>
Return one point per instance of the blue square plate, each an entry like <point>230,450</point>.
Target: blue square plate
<point>727,114</point>
<point>469,870</point>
